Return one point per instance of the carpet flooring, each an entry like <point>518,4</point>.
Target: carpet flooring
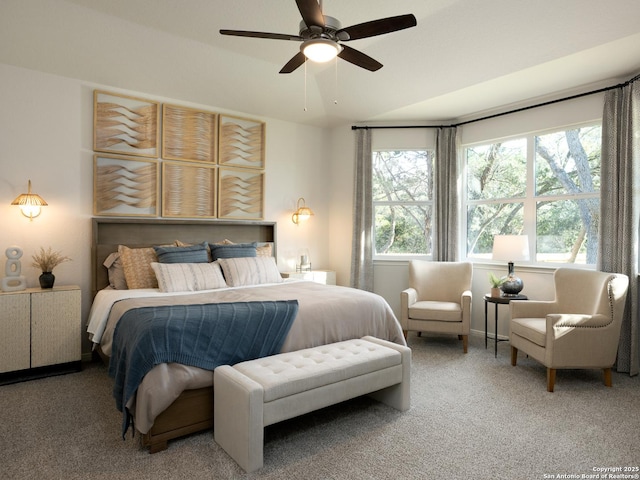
<point>473,416</point>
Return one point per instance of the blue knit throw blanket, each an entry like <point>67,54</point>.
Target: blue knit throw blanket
<point>205,336</point>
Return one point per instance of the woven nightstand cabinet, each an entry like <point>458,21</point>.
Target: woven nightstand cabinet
<point>39,332</point>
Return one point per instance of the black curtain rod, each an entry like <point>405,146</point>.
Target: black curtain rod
<point>517,110</point>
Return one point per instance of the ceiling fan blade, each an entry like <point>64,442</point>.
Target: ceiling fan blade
<point>311,13</point>
<point>294,63</point>
<point>273,36</point>
<point>377,27</point>
<point>358,58</point>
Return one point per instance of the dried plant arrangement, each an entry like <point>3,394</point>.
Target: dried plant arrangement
<point>47,260</point>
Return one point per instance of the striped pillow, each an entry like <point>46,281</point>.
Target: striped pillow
<point>183,254</point>
<point>234,250</point>
<point>250,271</point>
<point>188,277</point>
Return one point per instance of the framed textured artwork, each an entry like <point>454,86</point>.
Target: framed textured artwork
<point>125,186</point>
<point>188,190</point>
<point>125,125</point>
<point>188,134</point>
<point>240,193</point>
<point>241,142</point>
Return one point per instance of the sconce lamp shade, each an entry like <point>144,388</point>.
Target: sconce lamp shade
<point>302,214</point>
<point>510,247</point>
<point>29,203</point>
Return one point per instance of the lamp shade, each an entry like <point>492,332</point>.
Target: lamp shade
<point>510,247</point>
<point>302,213</point>
<point>320,50</point>
<point>29,203</point>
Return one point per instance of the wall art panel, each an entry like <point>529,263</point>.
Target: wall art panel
<point>125,186</point>
<point>241,193</point>
<point>125,125</point>
<point>188,134</point>
<point>241,142</point>
<point>188,190</point>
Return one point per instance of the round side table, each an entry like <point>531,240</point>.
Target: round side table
<point>497,301</point>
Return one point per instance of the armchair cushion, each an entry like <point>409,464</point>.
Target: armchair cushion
<point>532,329</point>
<point>442,311</point>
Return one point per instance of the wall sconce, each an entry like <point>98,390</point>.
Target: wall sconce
<point>29,203</point>
<point>302,213</point>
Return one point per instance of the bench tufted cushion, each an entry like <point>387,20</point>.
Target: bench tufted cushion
<point>294,372</point>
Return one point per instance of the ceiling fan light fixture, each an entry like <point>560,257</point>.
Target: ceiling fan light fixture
<point>320,50</point>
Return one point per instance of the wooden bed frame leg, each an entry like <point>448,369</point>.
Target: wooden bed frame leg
<point>607,377</point>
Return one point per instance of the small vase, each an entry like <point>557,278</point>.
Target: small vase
<point>47,279</point>
<point>496,292</point>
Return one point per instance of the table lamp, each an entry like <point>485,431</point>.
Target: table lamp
<point>511,248</point>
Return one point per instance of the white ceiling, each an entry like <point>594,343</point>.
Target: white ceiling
<point>464,57</point>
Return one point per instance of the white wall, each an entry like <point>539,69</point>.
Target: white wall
<point>391,277</point>
<point>46,135</point>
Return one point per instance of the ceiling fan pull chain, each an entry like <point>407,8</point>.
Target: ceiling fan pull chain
<point>305,86</point>
<point>335,93</point>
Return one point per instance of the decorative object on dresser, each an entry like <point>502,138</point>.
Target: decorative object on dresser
<point>14,280</point>
<point>39,333</point>
<point>46,261</point>
<point>29,203</point>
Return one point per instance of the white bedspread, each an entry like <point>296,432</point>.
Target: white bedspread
<point>327,314</point>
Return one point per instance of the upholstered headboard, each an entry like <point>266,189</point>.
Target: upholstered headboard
<point>108,233</point>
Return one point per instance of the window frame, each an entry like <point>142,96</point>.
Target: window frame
<point>395,257</point>
<point>529,201</point>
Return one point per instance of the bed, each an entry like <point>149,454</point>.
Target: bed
<point>174,400</point>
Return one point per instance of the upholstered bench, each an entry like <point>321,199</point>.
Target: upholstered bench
<point>251,395</point>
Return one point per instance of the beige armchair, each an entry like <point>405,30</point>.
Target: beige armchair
<point>580,329</point>
<point>438,299</point>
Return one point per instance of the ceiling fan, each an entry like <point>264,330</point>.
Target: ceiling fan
<point>321,36</point>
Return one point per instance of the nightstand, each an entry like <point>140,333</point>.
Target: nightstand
<point>326,277</point>
<point>40,332</point>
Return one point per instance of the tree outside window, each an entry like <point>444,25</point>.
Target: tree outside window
<point>546,186</point>
<point>403,202</point>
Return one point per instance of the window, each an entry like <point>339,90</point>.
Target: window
<point>546,186</point>
<point>402,202</point>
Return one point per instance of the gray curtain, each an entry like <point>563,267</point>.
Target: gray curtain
<point>620,208</point>
<point>362,247</point>
<point>446,196</point>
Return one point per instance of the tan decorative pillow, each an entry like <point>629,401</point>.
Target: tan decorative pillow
<point>137,266</point>
<point>265,250</point>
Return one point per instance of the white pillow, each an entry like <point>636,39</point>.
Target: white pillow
<point>249,271</point>
<point>188,277</point>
